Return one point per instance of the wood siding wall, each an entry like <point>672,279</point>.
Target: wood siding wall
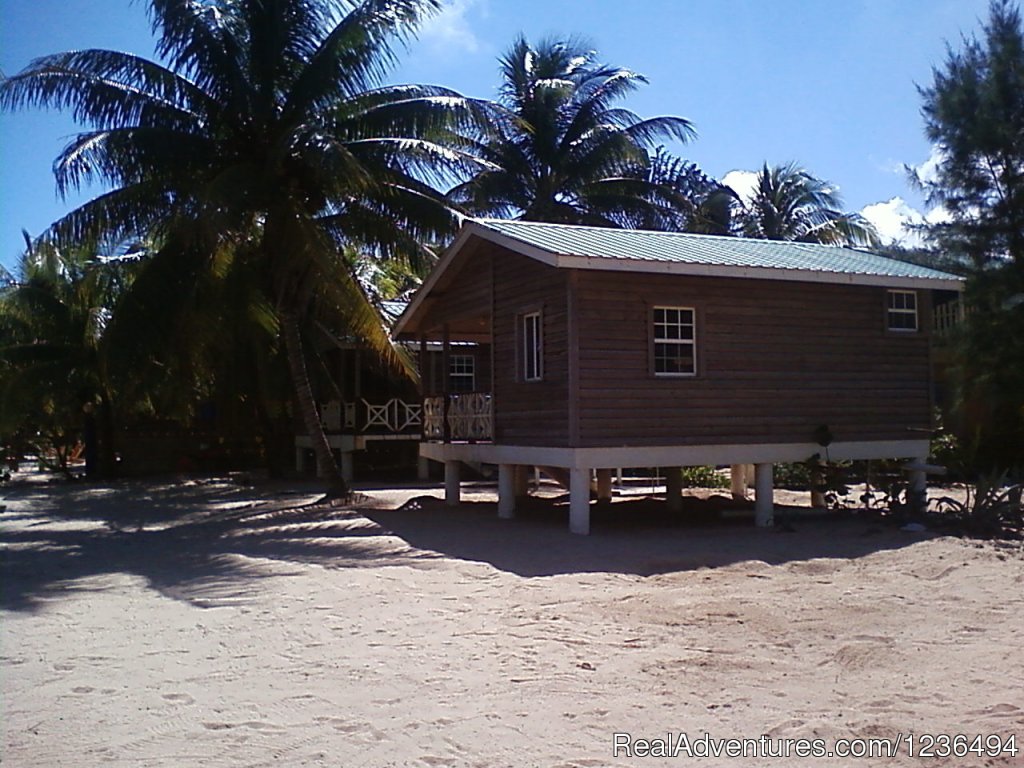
<point>529,413</point>
<point>774,361</point>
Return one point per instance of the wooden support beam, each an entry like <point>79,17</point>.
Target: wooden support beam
<point>604,485</point>
<point>674,488</point>
<point>451,483</point>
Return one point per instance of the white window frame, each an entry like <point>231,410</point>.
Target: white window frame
<point>666,339</point>
<point>531,346</point>
<point>462,368</point>
<point>901,310</point>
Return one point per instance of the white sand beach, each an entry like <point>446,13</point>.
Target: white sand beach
<point>206,623</point>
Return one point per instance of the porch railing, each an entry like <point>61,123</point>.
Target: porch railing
<point>468,415</point>
<point>946,317</point>
<point>394,416</point>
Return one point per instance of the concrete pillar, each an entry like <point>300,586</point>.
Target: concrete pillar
<point>451,483</point>
<point>506,490</point>
<point>347,471</point>
<point>674,488</point>
<point>300,460</point>
<point>604,485</point>
<point>750,475</point>
<point>764,506</point>
<point>579,501</point>
<point>738,481</point>
<point>818,500</point>
<point>422,468</point>
<point>918,488</point>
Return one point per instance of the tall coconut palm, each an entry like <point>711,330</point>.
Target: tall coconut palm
<point>790,204</point>
<point>561,149</point>
<point>265,143</point>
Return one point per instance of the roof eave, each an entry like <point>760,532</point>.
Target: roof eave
<point>757,273</point>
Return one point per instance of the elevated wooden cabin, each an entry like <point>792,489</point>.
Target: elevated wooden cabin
<point>618,348</point>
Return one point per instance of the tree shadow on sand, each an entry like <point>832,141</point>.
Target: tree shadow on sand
<point>208,543</point>
<point>636,536</point>
<point>214,543</point>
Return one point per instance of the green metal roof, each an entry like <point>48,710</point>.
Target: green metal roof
<point>603,248</point>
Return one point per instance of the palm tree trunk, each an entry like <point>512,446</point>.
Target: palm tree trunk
<point>326,466</point>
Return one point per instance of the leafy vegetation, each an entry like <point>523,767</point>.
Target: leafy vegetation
<point>973,111</point>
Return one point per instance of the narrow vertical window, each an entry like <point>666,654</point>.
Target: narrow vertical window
<point>901,314</point>
<point>675,341</point>
<point>531,352</point>
<point>462,373</point>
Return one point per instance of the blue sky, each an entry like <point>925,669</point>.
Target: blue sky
<point>828,84</point>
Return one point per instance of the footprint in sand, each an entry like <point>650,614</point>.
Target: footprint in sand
<point>82,689</point>
<point>178,698</point>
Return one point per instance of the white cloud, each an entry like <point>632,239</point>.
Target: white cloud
<point>450,31</point>
<point>743,183</point>
<point>893,220</point>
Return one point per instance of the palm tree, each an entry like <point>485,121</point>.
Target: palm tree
<point>560,149</point>
<point>266,143</point>
<point>54,369</point>
<point>790,204</point>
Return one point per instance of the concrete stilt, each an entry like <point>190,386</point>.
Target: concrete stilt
<point>918,489</point>
<point>674,488</point>
<point>300,460</point>
<point>423,468</point>
<point>507,490</point>
<point>451,483</point>
<point>818,500</point>
<point>764,505</point>
<point>738,481</point>
<point>347,471</point>
<point>604,485</point>
<point>579,501</point>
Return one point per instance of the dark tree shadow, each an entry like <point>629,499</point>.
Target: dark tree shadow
<point>637,536</point>
<point>213,543</point>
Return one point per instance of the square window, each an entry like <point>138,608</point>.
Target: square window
<point>901,313</point>
<point>462,373</point>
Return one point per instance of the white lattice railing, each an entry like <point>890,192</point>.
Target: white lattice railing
<point>433,418</point>
<point>469,417</point>
<point>393,416</point>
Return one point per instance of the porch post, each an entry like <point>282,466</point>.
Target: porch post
<point>674,488</point>
<point>445,368</point>
<point>579,500</point>
<point>425,385</point>
<point>451,483</point>
<point>738,481</point>
<point>507,490</point>
<point>764,506</point>
<point>604,485</point>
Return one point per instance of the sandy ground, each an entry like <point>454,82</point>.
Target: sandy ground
<point>169,624</point>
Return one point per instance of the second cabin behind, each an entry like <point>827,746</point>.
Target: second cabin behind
<point>618,348</point>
